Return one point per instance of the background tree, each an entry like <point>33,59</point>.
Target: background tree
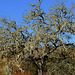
<point>61,62</point>
<point>49,32</point>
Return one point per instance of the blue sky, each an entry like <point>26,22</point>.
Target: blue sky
<point>15,8</point>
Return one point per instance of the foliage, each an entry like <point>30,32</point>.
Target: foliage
<point>49,33</point>
<point>61,65</point>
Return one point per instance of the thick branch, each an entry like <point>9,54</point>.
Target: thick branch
<point>52,50</point>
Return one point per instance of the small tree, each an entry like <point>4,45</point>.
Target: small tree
<point>49,32</point>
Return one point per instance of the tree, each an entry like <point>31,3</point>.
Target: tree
<point>49,32</point>
<point>62,62</point>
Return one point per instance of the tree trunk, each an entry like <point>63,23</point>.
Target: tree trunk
<point>40,72</point>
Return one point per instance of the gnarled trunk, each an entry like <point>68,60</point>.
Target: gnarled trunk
<point>40,72</point>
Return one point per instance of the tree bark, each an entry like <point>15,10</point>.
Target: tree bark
<point>40,72</point>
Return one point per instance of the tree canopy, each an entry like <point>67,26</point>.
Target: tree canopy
<point>50,32</point>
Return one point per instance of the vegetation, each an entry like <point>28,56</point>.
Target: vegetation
<point>62,63</point>
<point>46,47</point>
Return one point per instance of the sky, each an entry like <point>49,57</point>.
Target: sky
<point>15,9</point>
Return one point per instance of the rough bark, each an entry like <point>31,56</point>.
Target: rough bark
<point>40,72</point>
